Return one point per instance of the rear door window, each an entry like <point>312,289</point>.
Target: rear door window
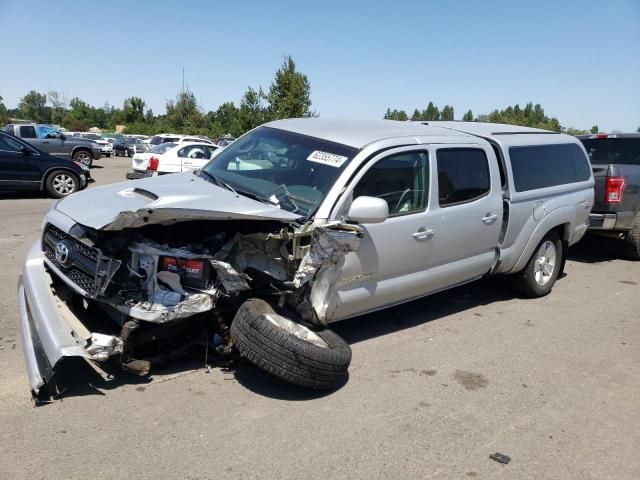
<point>624,151</point>
<point>28,131</point>
<point>463,175</point>
<point>542,166</point>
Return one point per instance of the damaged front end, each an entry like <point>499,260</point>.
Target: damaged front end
<point>144,292</point>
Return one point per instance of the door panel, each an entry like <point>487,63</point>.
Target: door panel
<point>467,215</point>
<point>17,171</point>
<point>390,265</point>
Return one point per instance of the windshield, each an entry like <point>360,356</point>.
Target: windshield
<point>613,150</point>
<point>91,136</point>
<point>289,170</point>
<point>163,147</point>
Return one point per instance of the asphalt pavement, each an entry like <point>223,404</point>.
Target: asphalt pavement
<point>436,386</point>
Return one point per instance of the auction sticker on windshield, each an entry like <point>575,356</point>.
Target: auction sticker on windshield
<point>327,158</point>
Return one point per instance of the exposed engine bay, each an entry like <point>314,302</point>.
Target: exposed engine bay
<point>155,291</point>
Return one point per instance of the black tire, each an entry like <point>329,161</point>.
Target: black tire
<point>285,355</point>
<point>57,179</point>
<point>84,157</point>
<point>526,282</point>
<point>632,240</point>
<point>108,155</point>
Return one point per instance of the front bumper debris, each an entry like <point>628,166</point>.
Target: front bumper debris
<point>50,331</point>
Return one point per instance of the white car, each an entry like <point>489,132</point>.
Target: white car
<point>171,158</point>
<point>106,148</point>
<point>178,139</point>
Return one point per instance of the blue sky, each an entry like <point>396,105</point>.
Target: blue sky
<point>579,59</point>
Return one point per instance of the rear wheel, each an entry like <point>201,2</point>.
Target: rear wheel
<point>83,157</point>
<point>632,240</point>
<point>540,274</point>
<point>61,183</point>
<point>289,350</point>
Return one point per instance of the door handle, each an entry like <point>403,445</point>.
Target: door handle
<point>423,234</point>
<point>490,218</point>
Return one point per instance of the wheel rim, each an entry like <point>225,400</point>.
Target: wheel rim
<point>84,158</point>
<point>64,184</point>
<point>545,262</point>
<point>295,329</point>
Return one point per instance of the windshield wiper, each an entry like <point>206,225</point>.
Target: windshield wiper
<point>292,198</point>
<point>217,180</point>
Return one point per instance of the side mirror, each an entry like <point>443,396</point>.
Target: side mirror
<point>63,136</point>
<point>25,151</point>
<point>368,210</point>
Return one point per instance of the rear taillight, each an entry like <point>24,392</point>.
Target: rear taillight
<point>153,164</point>
<point>614,189</point>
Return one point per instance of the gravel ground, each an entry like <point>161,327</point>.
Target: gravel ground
<point>436,386</point>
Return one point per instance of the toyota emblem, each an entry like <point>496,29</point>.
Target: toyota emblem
<point>62,253</point>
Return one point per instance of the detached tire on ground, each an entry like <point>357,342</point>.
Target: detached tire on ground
<point>540,274</point>
<point>288,350</point>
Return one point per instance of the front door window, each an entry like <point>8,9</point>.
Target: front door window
<point>399,179</point>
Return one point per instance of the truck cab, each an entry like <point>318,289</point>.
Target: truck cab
<point>51,140</point>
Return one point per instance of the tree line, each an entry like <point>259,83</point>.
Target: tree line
<point>288,96</point>
<point>529,116</point>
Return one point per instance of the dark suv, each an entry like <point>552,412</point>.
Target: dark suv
<point>24,167</point>
<point>615,160</point>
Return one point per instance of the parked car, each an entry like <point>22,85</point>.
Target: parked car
<point>615,160</point>
<point>128,146</point>
<point>24,167</point>
<point>179,139</point>
<point>106,148</point>
<point>297,224</point>
<point>170,158</point>
<point>52,141</point>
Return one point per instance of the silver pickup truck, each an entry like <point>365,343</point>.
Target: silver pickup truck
<point>297,224</point>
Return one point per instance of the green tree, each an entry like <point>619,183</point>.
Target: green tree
<point>58,103</point>
<point>574,131</point>
<point>432,112</point>
<point>290,93</point>
<point>225,120</point>
<point>594,129</point>
<point>447,113</point>
<point>4,113</point>
<point>416,116</point>
<point>530,116</point>
<point>252,110</point>
<point>394,114</point>
<point>133,110</point>
<point>468,117</point>
<point>33,107</point>
<point>185,116</point>
<point>79,115</point>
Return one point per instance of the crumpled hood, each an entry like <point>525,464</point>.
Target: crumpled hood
<point>165,199</point>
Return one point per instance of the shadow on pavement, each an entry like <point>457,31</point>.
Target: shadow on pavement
<point>261,383</point>
<point>427,309</point>
<point>596,249</point>
<point>21,194</point>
